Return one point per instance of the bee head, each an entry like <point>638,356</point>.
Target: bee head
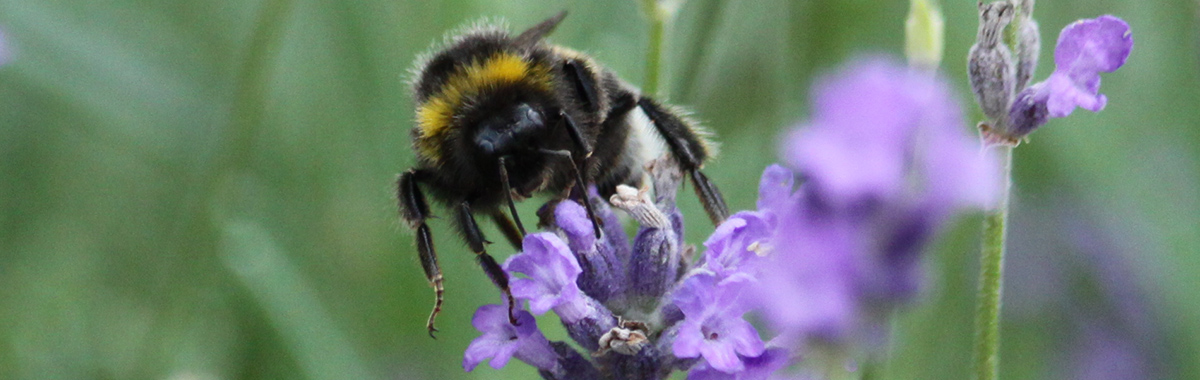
<point>510,129</point>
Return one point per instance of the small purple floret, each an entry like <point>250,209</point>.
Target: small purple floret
<point>1085,49</point>
<point>551,269</point>
<point>742,238</point>
<point>713,326</point>
<point>502,341</point>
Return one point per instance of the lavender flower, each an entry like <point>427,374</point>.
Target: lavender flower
<point>740,239</point>
<point>501,340</point>
<point>1085,49</point>
<point>885,163</point>
<point>601,260</point>
<point>552,270</point>
<point>713,326</point>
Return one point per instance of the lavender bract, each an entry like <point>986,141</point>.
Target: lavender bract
<point>1085,49</point>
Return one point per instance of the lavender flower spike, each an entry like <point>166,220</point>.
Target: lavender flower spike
<point>1085,49</point>
<point>502,341</point>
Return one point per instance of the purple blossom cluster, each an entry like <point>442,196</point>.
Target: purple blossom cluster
<point>882,166</point>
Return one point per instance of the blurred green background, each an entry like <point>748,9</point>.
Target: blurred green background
<point>195,190</point>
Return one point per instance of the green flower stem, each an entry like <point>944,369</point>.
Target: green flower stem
<point>991,282</point>
<point>658,21</point>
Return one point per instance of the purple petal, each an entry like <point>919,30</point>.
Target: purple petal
<point>775,188</point>
<point>743,337</point>
<point>1099,45</point>
<point>491,318</point>
<point>688,340</point>
<point>572,218</point>
<point>808,288</point>
<point>482,349</point>
<point>865,121</point>
<point>756,368</point>
<point>721,357</point>
<point>694,297</point>
<point>1085,49</point>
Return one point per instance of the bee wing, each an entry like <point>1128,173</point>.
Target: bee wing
<point>539,31</point>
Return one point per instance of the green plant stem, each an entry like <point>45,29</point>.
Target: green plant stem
<point>991,278</point>
<point>658,20</point>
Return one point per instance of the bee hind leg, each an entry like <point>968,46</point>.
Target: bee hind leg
<point>690,149</point>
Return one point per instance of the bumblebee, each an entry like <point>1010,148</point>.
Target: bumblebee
<point>500,118</point>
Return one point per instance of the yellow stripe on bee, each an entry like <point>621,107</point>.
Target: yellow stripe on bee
<point>436,115</point>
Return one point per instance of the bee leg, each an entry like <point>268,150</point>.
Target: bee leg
<point>470,230</point>
<point>511,233</point>
<point>689,150</point>
<point>512,207</point>
<point>587,205</point>
<point>414,210</point>
<point>579,163</point>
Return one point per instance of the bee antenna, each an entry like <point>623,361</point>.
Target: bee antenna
<point>539,31</point>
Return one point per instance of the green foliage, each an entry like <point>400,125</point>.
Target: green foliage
<point>180,199</point>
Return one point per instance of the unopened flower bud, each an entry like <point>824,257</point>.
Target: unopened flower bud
<point>925,30</point>
<point>1029,45</point>
<point>989,63</point>
<point>654,264</point>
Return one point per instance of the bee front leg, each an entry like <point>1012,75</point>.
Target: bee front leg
<point>465,220</point>
<point>512,228</point>
<point>414,210</point>
<point>582,186</point>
